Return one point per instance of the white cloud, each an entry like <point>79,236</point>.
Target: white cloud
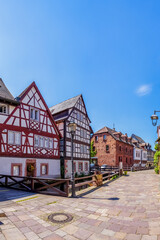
<point>144,90</point>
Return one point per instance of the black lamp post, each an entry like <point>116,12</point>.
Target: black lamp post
<point>72,129</point>
<point>154,118</point>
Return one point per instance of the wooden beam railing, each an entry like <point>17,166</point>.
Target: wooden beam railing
<point>50,186</point>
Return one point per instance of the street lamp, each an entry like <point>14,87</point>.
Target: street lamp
<point>154,118</point>
<point>72,129</point>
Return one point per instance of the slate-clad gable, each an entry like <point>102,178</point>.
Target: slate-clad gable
<point>5,93</point>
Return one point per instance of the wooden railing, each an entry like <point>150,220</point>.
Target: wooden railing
<point>50,186</point>
<point>84,182</point>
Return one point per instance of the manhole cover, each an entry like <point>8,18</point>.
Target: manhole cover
<point>3,215</point>
<point>60,217</point>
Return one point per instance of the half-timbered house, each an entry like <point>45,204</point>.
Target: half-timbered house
<point>63,113</point>
<point>29,137</point>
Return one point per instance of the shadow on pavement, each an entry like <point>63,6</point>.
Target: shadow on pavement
<point>7,194</point>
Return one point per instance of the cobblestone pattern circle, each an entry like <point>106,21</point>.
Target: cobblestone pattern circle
<point>63,217</point>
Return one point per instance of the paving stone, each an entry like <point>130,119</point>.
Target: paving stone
<point>12,234</point>
<point>82,234</point>
<point>132,237</point>
<point>107,232</point>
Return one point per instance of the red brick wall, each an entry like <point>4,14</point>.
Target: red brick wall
<point>104,157</point>
<point>126,153</point>
<point>111,157</point>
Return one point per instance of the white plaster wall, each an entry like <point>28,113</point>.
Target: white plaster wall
<point>139,151</point>
<point>53,165</point>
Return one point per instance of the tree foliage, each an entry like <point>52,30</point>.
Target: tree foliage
<point>156,158</point>
<point>93,152</point>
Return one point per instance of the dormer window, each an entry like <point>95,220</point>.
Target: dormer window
<point>3,109</point>
<point>34,114</point>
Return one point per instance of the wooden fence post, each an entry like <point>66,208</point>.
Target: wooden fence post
<point>6,181</point>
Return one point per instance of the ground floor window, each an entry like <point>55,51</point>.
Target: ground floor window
<point>80,167</point>
<point>16,169</point>
<point>86,166</point>
<point>44,169</point>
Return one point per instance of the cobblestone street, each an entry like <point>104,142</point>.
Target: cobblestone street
<point>127,208</point>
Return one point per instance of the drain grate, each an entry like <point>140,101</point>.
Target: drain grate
<point>2,215</point>
<point>60,217</point>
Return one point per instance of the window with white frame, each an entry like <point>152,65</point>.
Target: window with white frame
<point>3,108</point>
<point>44,169</point>
<point>14,138</point>
<point>16,170</point>
<point>34,114</point>
<point>36,141</point>
<point>50,143</point>
<point>41,142</point>
<point>46,143</point>
<point>82,149</point>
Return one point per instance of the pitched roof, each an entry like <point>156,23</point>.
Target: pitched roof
<point>5,93</point>
<point>139,139</point>
<point>105,129</point>
<point>70,103</point>
<point>113,133</point>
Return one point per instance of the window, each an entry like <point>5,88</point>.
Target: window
<point>81,117</point>
<point>104,137</point>
<point>120,148</point>
<point>85,149</point>
<point>126,149</point>
<point>107,148</point>
<point>120,159</point>
<point>41,142</point>
<point>14,138</point>
<point>94,148</point>
<point>16,170</point>
<point>46,143</point>
<point>96,138</point>
<point>34,114</point>
<point>80,167</point>
<point>3,109</point>
<point>17,138</point>
<point>11,137</point>
<point>36,141</point>
<point>82,133</point>
<point>126,160</point>
<point>82,149</point>
<point>50,143</point>
<point>44,169</point>
<point>86,167</point>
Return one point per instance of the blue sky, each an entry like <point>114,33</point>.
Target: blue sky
<point>107,50</point>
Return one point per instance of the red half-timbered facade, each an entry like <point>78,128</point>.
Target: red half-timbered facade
<point>29,139</point>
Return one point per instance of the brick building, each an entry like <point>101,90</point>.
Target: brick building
<point>113,147</point>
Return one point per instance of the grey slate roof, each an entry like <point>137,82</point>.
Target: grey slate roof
<point>60,107</point>
<point>139,139</point>
<point>5,93</point>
